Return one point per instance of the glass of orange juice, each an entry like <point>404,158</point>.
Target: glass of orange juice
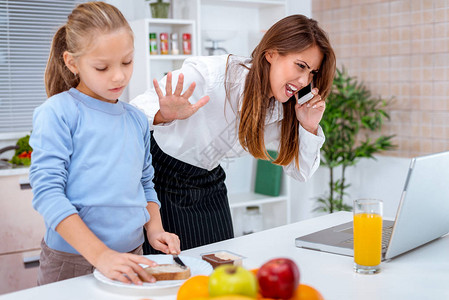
<point>367,235</point>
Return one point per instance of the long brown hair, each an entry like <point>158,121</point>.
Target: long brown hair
<point>292,34</point>
<point>85,21</point>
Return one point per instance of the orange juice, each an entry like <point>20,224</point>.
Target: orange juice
<point>367,239</point>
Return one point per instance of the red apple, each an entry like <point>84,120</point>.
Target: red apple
<point>278,278</point>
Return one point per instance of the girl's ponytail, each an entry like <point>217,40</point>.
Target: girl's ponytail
<point>58,77</point>
<point>83,25</point>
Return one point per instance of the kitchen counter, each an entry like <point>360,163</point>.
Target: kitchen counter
<point>419,274</point>
<point>15,171</point>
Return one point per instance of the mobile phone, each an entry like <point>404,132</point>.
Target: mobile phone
<point>305,94</point>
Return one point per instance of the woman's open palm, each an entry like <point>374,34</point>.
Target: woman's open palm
<point>175,105</point>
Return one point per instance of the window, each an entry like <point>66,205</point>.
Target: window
<point>26,30</point>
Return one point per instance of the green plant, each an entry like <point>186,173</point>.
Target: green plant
<point>159,8</point>
<point>22,156</point>
<point>351,114</point>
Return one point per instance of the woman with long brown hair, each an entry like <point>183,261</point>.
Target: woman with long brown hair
<point>246,104</point>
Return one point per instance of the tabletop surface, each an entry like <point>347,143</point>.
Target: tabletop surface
<point>419,274</point>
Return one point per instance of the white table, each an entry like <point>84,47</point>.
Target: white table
<point>420,274</point>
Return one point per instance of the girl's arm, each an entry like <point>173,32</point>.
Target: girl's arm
<point>157,236</point>
<point>112,264</point>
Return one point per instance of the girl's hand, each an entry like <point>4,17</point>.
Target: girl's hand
<point>124,267</point>
<point>164,241</point>
<point>310,113</point>
<point>176,106</point>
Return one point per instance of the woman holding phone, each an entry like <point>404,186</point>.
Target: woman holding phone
<point>246,104</point>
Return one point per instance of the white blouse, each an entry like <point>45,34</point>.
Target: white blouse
<point>211,134</point>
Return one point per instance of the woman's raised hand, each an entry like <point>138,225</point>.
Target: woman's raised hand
<point>310,113</point>
<point>174,105</point>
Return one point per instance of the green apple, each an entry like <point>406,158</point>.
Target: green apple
<point>232,280</point>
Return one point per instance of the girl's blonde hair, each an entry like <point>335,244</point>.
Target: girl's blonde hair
<point>292,34</point>
<point>85,21</point>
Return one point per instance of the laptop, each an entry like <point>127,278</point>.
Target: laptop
<point>422,215</point>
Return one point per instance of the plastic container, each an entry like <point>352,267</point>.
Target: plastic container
<point>186,44</point>
<point>174,50</point>
<point>253,220</point>
<point>164,43</point>
<point>153,43</point>
<point>222,257</point>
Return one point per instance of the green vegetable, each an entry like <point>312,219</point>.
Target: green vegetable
<point>23,146</point>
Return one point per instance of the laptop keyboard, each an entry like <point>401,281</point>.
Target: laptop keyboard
<point>386,234</point>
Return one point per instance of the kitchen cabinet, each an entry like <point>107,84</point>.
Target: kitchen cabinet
<point>237,26</point>
<point>22,229</point>
<point>240,181</point>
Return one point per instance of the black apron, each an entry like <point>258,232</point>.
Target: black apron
<point>194,201</point>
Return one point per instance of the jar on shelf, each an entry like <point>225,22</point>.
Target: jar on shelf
<point>153,43</point>
<point>253,220</point>
<point>187,43</point>
<point>159,9</point>
<point>174,50</point>
<point>164,42</point>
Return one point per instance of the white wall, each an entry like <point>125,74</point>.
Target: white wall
<point>132,10</point>
<point>303,7</point>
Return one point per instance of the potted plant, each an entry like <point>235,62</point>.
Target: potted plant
<point>351,114</point>
<point>159,8</point>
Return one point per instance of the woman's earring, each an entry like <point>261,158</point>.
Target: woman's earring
<point>74,73</point>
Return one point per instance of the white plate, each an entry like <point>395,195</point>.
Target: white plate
<point>197,267</point>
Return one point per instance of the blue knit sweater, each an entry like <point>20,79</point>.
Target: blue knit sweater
<point>92,158</point>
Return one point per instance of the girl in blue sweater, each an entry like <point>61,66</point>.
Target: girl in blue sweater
<point>91,169</point>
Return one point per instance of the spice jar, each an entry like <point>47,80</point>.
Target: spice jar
<point>153,43</point>
<point>187,44</point>
<point>174,44</point>
<point>253,220</point>
<point>164,43</point>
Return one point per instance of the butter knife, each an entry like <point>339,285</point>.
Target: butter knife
<point>178,261</point>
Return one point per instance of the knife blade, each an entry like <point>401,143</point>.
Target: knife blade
<point>178,261</point>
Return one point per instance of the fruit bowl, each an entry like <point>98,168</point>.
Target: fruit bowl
<point>228,282</point>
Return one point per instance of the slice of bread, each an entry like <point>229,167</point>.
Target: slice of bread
<point>168,272</point>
